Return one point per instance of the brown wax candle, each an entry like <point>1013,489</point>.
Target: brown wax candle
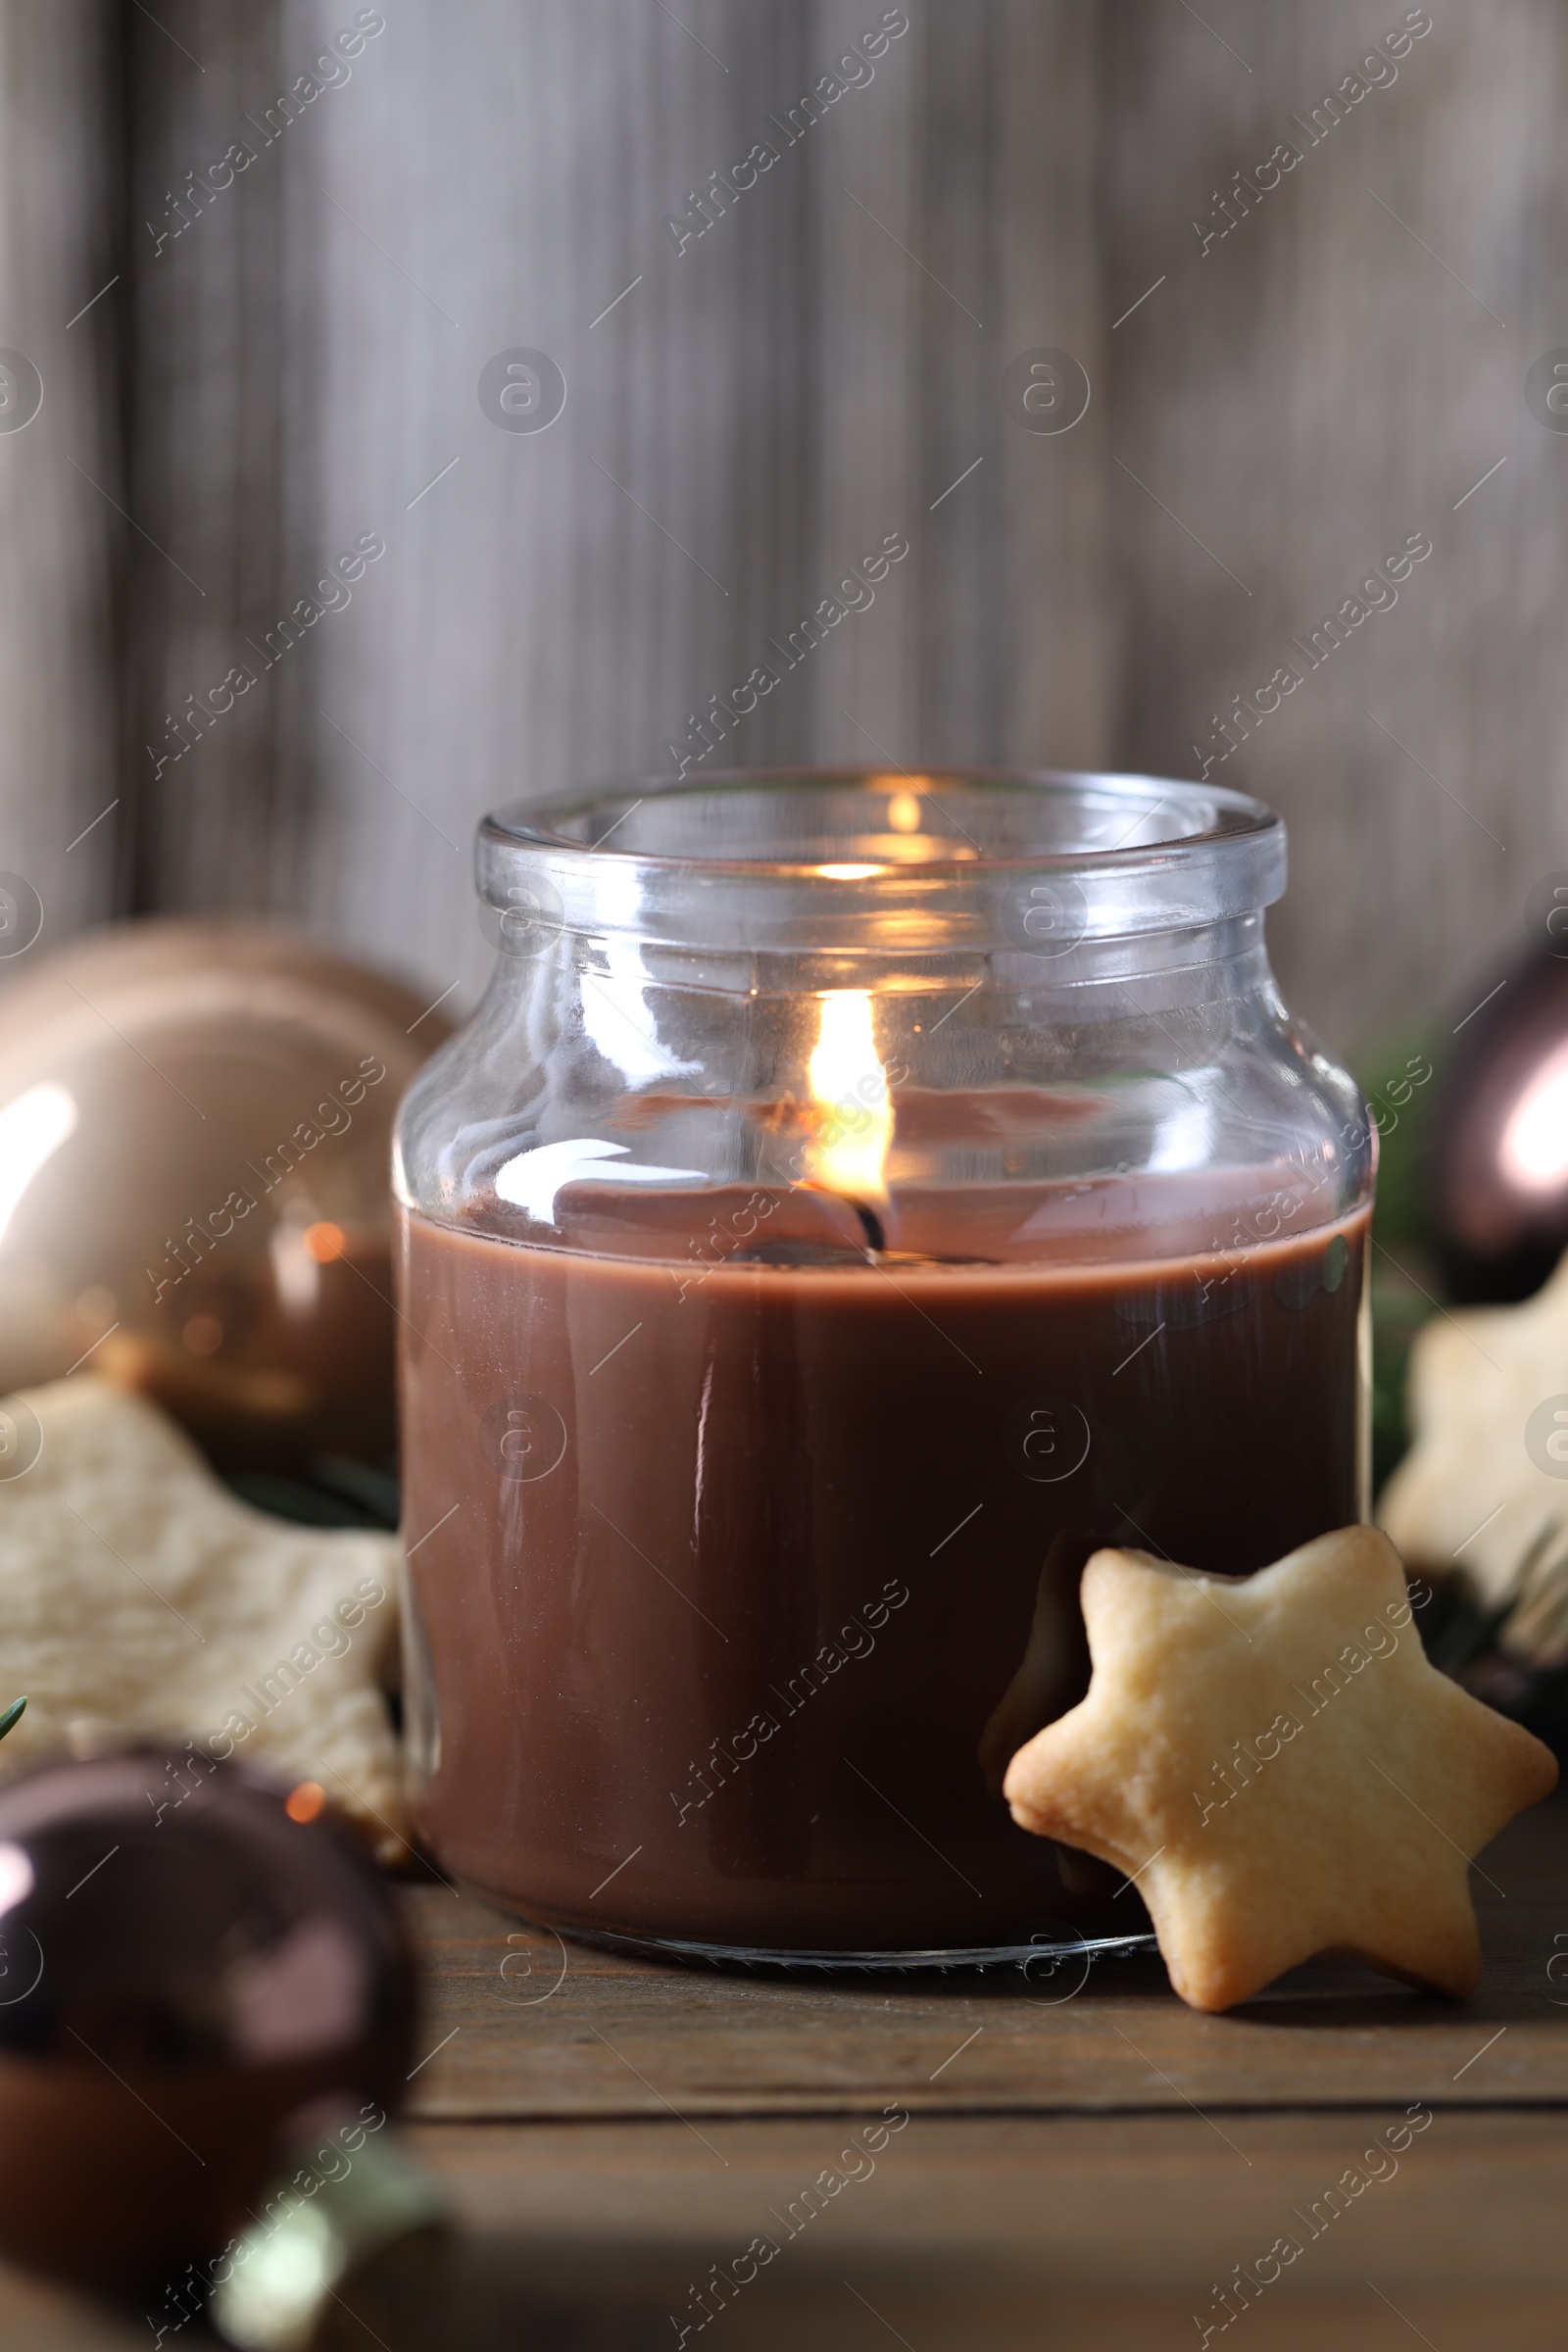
<point>734,1575</point>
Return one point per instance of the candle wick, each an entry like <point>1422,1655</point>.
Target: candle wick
<point>876,1240</point>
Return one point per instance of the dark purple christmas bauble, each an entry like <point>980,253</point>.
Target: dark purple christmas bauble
<point>191,1981</point>
<point>1497,1163</point>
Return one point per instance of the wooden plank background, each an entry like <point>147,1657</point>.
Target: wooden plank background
<point>759,411</point>
<point>1315,387</point>
<point>61,758</point>
<point>298,365</point>
<point>302,361</point>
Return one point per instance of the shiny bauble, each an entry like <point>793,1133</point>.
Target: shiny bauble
<point>1497,1157</point>
<point>195,1133</point>
<point>192,1981</point>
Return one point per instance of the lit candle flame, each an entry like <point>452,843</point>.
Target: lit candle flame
<point>848,1152</point>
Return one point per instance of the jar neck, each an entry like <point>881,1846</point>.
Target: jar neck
<point>1094,979</point>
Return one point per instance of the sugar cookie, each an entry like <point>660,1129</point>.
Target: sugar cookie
<point>1274,1762</point>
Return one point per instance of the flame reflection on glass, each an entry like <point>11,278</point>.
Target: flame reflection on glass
<point>1533,1151</point>
<point>31,1127</point>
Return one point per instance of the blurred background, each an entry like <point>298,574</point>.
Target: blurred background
<point>259,293</point>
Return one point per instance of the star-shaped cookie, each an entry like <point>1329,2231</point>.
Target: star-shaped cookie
<point>1274,1763</point>
<point>138,1595</point>
<point>1487,1471</point>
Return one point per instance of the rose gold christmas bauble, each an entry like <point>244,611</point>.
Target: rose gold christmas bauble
<point>195,1124</point>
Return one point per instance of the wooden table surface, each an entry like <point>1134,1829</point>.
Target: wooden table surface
<point>1083,2161</point>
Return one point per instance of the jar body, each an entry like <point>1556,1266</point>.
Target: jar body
<point>782,1327</point>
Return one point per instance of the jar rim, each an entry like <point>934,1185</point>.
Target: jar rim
<point>1038,859</point>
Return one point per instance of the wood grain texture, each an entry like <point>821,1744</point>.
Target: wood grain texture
<point>535,2027</point>
<point>1268,424</point>
<point>995,2234</point>
<point>755,414</point>
<point>59,473</point>
<point>221,390</point>
<point>1336,372</point>
<point>1150,2203</point>
<point>608,2138</point>
<point>1110,2232</point>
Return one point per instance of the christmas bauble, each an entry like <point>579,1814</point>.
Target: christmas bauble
<point>198,1973</point>
<point>195,1123</point>
<point>1497,1161</point>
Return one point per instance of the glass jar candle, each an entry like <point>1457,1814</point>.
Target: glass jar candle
<point>856,1198</point>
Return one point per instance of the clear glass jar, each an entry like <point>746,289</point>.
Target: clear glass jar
<point>855,1198</point>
